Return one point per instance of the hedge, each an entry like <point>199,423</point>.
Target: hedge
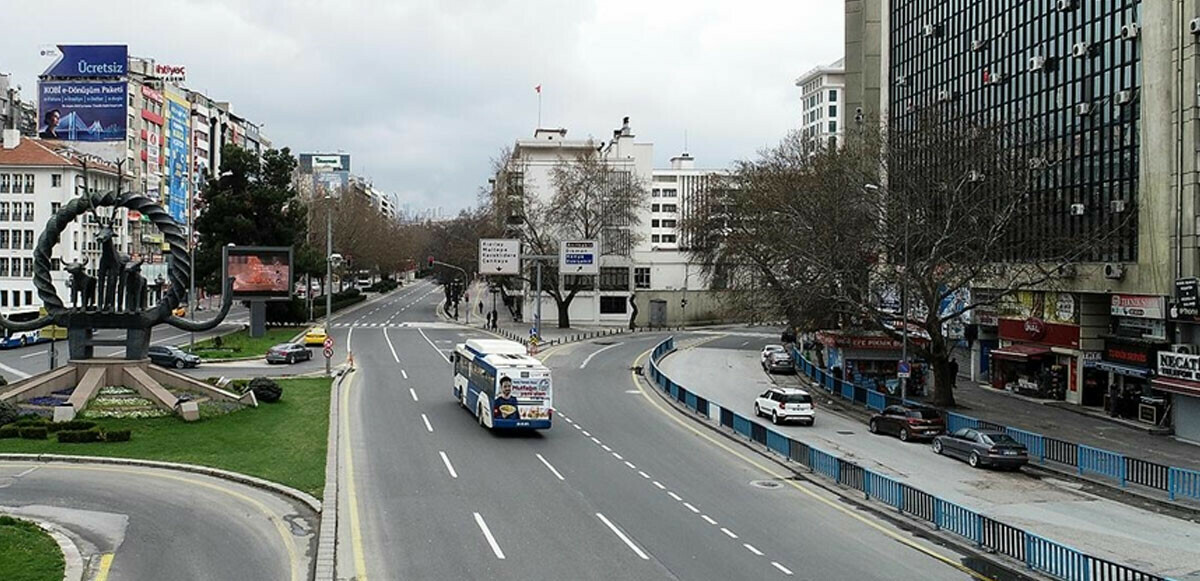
<point>79,436</point>
<point>34,433</point>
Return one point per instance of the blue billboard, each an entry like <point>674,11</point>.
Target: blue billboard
<point>82,110</point>
<point>90,60</point>
<point>178,115</point>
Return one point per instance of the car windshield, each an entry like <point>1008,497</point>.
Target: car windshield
<point>774,349</point>
<point>924,414</point>
<point>281,347</point>
<point>797,398</point>
<point>1001,439</point>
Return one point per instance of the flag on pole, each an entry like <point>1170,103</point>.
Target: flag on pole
<point>538,89</point>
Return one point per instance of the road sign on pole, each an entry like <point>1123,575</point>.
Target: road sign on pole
<point>328,352</point>
<point>903,370</point>
<point>579,257</point>
<point>499,256</point>
<point>329,342</point>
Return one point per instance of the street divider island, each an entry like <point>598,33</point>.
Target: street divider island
<point>1037,553</point>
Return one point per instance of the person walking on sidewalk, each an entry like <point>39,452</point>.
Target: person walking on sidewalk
<point>481,307</point>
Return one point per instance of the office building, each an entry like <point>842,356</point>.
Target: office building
<point>822,109</point>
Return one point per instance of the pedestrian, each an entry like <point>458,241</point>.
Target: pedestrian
<point>481,307</point>
<point>953,372</point>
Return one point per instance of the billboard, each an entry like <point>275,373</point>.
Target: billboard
<point>82,110</point>
<point>331,181</point>
<point>499,256</point>
<point>177,118</point>
<point>579,257</point>
<point>89,60</point>
<point>259,272</point>
<point>171,73</point>
<point>322,162</point>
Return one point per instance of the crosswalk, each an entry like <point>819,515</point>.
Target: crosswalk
<point>428,325</point>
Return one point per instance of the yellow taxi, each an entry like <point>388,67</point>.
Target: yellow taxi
<point>179,311</point>
<point>315,336</point>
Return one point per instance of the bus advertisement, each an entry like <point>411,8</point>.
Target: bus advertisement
<point>501,385</point>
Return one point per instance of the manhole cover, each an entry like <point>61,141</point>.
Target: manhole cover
<point>767,484</point>
<point>845,432</point>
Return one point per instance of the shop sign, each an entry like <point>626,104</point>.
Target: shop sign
<point>1179,365</point>
<point>867,342</point>
<point>1051,307</point>
<point>985,316</point>
<point>1129,354</point>
<point>1035,328</point>
<point>1052,334</point>
<point>1143,307</point>
<point>1187,294</point>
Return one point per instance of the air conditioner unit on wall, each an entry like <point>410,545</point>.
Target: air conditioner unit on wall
<point>1118,206</point>
<point>901,80</point>
<point>1194,26</point>
<point>1114,271</point>
<point>1186,348</point>
<point>1123,97</point>
<point>1080,50</point>
<point>1083,109</point>
<point>978,44</point>
<point>932,30</point>
<point>1037,63</point>
<point>1076,209</point>
<point>946,95</point>
<point>996,78</point>
<point>1066,5</point>
<point>1130,31</point>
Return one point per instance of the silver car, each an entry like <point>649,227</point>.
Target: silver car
<point>288,353</point>
<point>983,448</point>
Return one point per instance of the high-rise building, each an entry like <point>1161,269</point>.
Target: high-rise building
<point>822,108</point>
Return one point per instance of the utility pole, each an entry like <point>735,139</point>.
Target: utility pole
<point>329,275</point>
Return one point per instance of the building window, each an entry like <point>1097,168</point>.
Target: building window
<point>3,267</point>
<point>654,223</point>
<point>613,305</point>
<point>4,183</point>
<point>641,277</point>
<point>29,297</point>
<point>3,211</point>
<point>29,183</point>
<point>654,193</point>
<point>833,95</point>
<point>55,264</point>
<point>668,238</point>
<point>570,281</point>
<point>28,211</point>
<point>16,298</point>
<point>56,180</point>
<point>669,223</point>
<point>55,207</point>
<point>28,240</point>
<point>17,183</point>
<point>833,111</point>
<point>670,208</point>
<point>614,278</point>
<point>16,239</point>
<point>670,193</point>
<point>655,207</point>
<point>833,126</point>
<point>27,266</point>
<point>655,238</point>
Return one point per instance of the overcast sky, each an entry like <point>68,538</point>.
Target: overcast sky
<point>422,94</point>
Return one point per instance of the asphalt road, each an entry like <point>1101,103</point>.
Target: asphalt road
<point>159,524</point>
<point>727,370</point>
<point>619,488</point>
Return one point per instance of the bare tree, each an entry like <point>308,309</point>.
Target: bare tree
<point>928,210</point>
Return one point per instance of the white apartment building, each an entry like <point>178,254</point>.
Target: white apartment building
<point>821,104</point>
<point>36,179</point>
<point>663,264</point>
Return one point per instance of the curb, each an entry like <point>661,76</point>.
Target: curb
<point>252,481</point>
<point>326,557</point>
<point>72,558</point>
<point>1012,570</point>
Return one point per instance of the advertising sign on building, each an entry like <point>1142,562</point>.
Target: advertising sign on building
<point>1143,307</point>
<point>499,256</point>
<point>579,257</point>
<point>1179,365</point>
<point>1051,307</point>
<point>82,110</point>
<point>89,60</point>
<point>171,73</point>
<point>326,163</point>
<point>178,115</point>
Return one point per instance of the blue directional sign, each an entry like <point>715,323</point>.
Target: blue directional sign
<point>579,257</point>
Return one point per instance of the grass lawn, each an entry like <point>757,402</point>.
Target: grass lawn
<point>283,442</point>
<point>240,344</point>
<point>27,553</point>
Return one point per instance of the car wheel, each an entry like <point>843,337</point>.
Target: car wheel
<point>937,446</point>
<point>25,341</point>
<point>775,418</point>
<point>812,422</point>
<point>291,359</point>
<point>873,427</point>
<point>179,364</point>
<point>757,411</point>
<point>973,460</point>
<point>904,434</point>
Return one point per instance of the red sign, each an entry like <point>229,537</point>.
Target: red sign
<point>151,94</point>
<point>1055,334</point>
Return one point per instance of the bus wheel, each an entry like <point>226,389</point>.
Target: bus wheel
<point>481,422</point>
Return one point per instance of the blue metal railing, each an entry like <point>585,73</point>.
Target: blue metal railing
<point>1183,483</point>
<point>1038,553</point>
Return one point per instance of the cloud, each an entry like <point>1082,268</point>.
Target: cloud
<point>423,93</point>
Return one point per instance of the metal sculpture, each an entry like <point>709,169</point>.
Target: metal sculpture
<point>115,298</point>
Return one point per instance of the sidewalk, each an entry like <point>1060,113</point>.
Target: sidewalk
<point>1052,420</point>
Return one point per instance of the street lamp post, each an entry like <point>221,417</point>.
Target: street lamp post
<point>329,274</point>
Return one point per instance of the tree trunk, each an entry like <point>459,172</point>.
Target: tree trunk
<point>943,384</point>
<point>564,311</point>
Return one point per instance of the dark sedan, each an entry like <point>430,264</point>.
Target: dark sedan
<point>908,422</point>
<point>983,448</point>
<point>171,357</point>
<point>288,353</point>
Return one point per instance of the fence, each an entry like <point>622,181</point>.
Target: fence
<point>1178,483</point>
<point>1037,553</point>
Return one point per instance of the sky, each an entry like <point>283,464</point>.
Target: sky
<point>423,94</point>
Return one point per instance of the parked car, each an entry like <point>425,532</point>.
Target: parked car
<point>288,353</point>
<point>778,362</point>
<point>908,422</point>
<point>766,353</point>
<point>782,404</point>
<point>315,336</point>
<point>983,448</point>
<point>168,356</point>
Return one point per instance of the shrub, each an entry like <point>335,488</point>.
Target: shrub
<point>79,436</point>
<point>9,431</point>
<point>265,389</point>
<point>8,412</point>
<point>34,433</point>
<point>117,435</point>
<point>30,421</point>
<point>73,425</point>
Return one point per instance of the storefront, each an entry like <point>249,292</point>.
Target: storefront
<point>1039,354</point>
<point>1129,363</point>
<point>868,359</point>
<point>1178,383</point>
<point>983,335</point>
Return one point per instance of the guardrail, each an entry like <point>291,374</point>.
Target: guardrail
<point>1036,552</point>
<point>1178,483</point>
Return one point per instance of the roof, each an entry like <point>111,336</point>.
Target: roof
<point>789,390</point>
<point>32,152</point>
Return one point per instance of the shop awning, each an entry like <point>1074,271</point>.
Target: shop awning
<point>1180,386</point>
<point>1019,352</point>
<point>1123,369</point>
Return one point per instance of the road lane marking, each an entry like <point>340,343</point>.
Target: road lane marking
<point>766,470</point>
<point>450,467</point>
<point>413,393</point>
<point>644,475</point>
<point>404,374</point>
<point>428,426</point>
<point>659,485</point>
<point>34,354</point>
<point>105,564</point>
<point>360,560</point>
<point>618,456</point>
<point>552,469</point>
<point>785,570</point>
<point>389,342</point>
<point>752,549</point>
<point>675,496</point>
<point>13,370</point>
<point>435,347</point>
<point>606,448</point>
<point>586,434</point>
<point>597,352</point>
<point>728,533</point>
<point>487,534</point>
<point>689,506</point>
<point>577,426</point>
<point>708,519</point>
<point>596,441</point>
<point>622,536</point>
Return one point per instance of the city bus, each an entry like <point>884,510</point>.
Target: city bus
<point>502,385</point>
<point>11,339</point>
